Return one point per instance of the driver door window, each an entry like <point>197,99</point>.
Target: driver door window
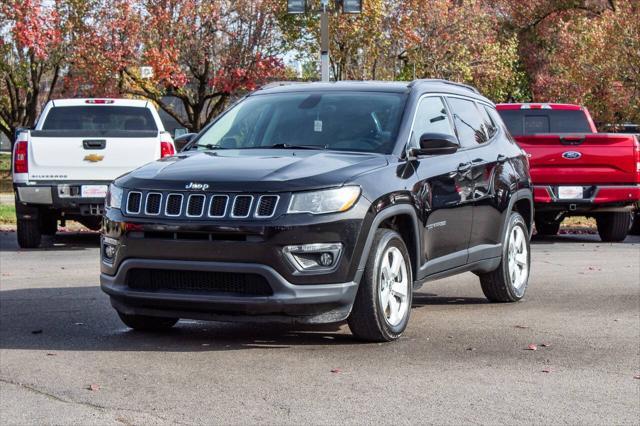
<point>431,117</point>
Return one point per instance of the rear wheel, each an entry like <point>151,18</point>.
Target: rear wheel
<point>547,227</point>
<point>383,304</point>
<point>613,227</point>
<point>146,323</point>
<point>29,235</point>
<point>509,281</point>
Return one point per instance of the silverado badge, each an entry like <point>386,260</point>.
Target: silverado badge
<point>94,158</point>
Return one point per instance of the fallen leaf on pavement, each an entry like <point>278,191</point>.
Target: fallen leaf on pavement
<point>93,387</point>
<point>79,323</point>
<point>546,370</point>
<point>51,354</point>
<point>521,326</point>
<point>545,345</point>
<point>637,376</point>
<point>37,331</point>
<point>471,349</point>
<point>532,347</point>
<point>336,370</point>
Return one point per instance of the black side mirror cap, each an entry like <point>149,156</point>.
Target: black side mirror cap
<point>181,141</point>
<point>436,144</point>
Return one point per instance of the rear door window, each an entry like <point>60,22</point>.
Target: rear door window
<point>99,118</point>
<point>468,122</point>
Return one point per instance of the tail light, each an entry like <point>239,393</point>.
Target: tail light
<point>166,149</point>
<point>20,157</point>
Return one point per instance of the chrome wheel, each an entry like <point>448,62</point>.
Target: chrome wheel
<point>393,286</point>
<point>518,259</point>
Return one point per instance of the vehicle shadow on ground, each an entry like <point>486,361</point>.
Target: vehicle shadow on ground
<point>580,238</point>
<point>62,241</point>
<point>81,319</point>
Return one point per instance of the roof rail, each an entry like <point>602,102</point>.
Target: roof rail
<point>438,80</point>
<point>279,84</point>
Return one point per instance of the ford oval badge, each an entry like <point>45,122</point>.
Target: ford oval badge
<point>571,155</point>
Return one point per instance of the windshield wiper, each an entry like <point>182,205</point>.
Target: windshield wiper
<point>209,146</point>
<point>292,146</point>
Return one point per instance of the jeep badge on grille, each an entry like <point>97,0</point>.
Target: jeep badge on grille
<point>197,186</point>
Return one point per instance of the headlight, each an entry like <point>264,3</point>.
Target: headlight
<point>325,201</point>
<point>114,197</point>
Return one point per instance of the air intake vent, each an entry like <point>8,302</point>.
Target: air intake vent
<point>154,201</point>
<point>239,284</point>
<point>267,206</point>
<point>195,206</point>
<point>218,206</point>
<point>174,205</point>
<point>242,206</point>
<point>133,202</point>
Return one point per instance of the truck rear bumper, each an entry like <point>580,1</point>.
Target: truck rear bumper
<point>596,198</point>
<point>50,196</point>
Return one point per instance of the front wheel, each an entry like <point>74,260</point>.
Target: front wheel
<point>509,281</point>
<point>383,303</point>
<point>146,323</point>
<point>613,227</point>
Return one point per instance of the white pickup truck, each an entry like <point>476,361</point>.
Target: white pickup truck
<point>62,167</point>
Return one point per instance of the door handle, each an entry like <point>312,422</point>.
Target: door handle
<point>94,143</point>
<point>464,167</point>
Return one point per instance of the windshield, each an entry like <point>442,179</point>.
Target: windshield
<point>344,121</point>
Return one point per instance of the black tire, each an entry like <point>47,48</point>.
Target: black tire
<point>546,227</point>
<point>48,224</point>
<point>146,323</point>
<point>498,285</point>
<point>29,235</point>
<point>368,319</point>
<point>635,226</point>
<point>613,227</point>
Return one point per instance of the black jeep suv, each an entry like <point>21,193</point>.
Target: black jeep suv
<point>321,203</point>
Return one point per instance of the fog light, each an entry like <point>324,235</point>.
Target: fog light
<point>109,251</point>
<point>314,257</point>
<point>326,259</point>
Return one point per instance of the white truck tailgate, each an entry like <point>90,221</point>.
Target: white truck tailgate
<point>56,155</point>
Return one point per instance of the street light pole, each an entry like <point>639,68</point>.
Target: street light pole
<point>324,42</point>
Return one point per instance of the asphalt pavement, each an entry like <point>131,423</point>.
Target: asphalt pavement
<point>66,358</point>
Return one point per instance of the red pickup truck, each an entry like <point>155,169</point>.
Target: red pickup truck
<point>577,171</point>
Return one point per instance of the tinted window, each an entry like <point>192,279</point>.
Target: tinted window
<point>490,127</point>
<point>431,117</point>
<point>527,122</point>
<point>346,121</point>
<point>99,118</point>
<point>468,122</point>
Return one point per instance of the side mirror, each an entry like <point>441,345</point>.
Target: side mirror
<point>181,141</point>
<point>436,144</point>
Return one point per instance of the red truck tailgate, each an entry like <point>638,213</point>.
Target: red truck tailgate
<point>582,159</point>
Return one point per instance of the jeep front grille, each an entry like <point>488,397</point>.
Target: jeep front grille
<point>203,206</point>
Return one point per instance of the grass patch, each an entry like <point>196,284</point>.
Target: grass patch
<point>7,214</point>
<point>5,163</point>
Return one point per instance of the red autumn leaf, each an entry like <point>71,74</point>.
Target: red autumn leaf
<point>532,347</point>
<point>93,387</point>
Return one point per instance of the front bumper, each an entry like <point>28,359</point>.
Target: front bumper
<point>598,198</point>
<point>236,247</point>
<point>289,302</point>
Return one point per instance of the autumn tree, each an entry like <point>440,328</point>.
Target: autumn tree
<point>35,39</point>
<point>202,53</point>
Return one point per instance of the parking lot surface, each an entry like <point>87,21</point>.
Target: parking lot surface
<point>66,358</point>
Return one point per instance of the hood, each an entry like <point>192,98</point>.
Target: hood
<point>260,170</point>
